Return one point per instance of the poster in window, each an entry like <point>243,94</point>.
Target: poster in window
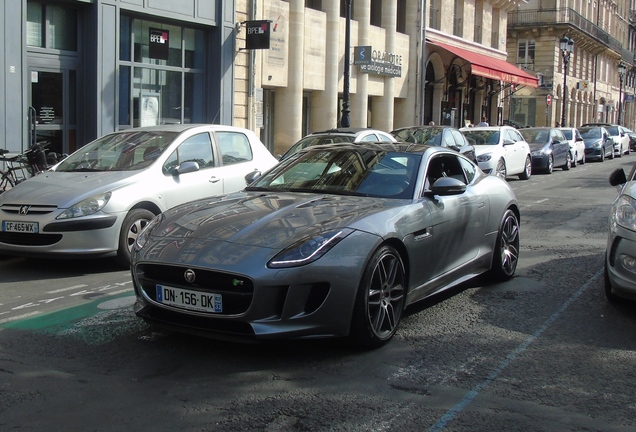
<point>149,110</point>
<point>158,45</point>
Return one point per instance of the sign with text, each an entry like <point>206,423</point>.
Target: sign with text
<point>258,34</point>
<point>158,45</point>
<point>373,61</point>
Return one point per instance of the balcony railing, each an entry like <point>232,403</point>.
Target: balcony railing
<point>567,16</point>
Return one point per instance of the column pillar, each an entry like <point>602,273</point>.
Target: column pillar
<point>383,107</point>
<point>324,114</point>
<point>289,101</point>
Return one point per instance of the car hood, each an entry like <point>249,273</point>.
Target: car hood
<point>536,146</point>
<point>270,220</point>
<point>483,149</point>
<point>63,189</point>
<point>591,141</point>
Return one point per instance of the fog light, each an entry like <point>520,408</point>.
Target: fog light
<point>629,262</point>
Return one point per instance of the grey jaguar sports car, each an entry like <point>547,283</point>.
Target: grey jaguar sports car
<point>335,241</point>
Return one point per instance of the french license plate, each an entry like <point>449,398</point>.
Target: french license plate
<point>191,300</point>
<point>20,227</point>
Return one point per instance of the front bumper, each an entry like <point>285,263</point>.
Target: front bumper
<point>540,162</point>
<point>621,261</point>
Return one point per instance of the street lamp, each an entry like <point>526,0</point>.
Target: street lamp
<point>345,121</point>
<point>621,73</point>
<point>566,45</point>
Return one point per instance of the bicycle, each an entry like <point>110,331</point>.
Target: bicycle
<point>21,166</point>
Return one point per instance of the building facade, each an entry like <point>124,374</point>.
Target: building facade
<point>595,83</point>
<point>76,69</point>
<point>422,66</point>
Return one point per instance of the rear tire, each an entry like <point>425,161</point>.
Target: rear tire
<point>527,171</point>
<point>568,162</point>
<point>135,221</point>
<point>380,299</point>
<point>505,255</point>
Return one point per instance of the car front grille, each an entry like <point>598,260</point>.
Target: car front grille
<point>27,209</point>
<point>237,290</point>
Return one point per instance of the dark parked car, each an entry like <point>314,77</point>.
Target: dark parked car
<point>443,136</point>
<point>335,241</point>
<point>598,144</point>
<point>549,148</point>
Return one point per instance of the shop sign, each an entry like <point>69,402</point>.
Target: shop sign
<point>258,34</point>
<point>372,61</point>
<point>158,45</point>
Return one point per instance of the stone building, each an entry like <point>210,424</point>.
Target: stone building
<point>434,61</point>
<point>595,83</point>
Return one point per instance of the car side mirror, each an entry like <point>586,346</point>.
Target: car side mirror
<point>444,186</point>
<point>252,177</point>
<point>617,177</point>
<point>508,141</point>
<point>186,167</point>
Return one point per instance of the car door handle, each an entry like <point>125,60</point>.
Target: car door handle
<point>214,179</point>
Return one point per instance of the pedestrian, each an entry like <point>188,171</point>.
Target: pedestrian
<point>431,123</point>
<point>483,122</point>
<point>557,124</point>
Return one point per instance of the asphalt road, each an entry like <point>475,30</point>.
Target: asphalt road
<point>543,352</point>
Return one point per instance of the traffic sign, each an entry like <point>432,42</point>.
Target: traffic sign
<point>548,99</point>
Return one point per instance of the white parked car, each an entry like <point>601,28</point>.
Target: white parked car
<point>619,135</point>
<point>500,150</point>
<point>577,145</point>
<point>96,201</point>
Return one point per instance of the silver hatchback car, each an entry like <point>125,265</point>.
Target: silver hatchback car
<point>95,202</point>
<point>620,256</point>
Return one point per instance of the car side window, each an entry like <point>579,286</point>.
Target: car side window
<point>385,138</point>
<point>234,147</point>
<point>370,138</point>
<point>459,138</point>
<point>469,170</point>
<point>197,148</point>
<point>449,141</point>
<point>444,166</point>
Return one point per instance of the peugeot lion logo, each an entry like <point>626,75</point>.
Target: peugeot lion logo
<point>24,209</point>
<point>190,276</point>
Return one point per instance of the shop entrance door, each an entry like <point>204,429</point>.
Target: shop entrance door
<point>52,117</point>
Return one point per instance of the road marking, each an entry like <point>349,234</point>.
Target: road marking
<point>472,394</point>
<point>71,288</point>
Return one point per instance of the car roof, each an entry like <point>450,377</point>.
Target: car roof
<point>348,131</point>
<point>180,128</point>
<point>400,146</point>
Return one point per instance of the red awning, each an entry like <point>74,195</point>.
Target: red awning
<point>490,67</point>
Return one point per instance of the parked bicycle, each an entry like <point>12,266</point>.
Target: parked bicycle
<point>21,166</point>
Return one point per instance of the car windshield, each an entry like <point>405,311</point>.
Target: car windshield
<point>535,135</point>
<point>590,133</point>
<point>430,135</point>
<point>376,173</point>
<point>122,151</point>
<point>482,137</point>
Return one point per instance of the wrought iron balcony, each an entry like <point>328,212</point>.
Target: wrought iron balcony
<point>567,17</point>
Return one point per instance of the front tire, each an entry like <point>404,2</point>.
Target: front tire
<point>550,167</point>
<point>505,255</point>
<point>500,170</point>
<point>380,299</point>
<point>607,285</point>
<point>568,162</point>
<point>135,221</point>
<point>527,171</point>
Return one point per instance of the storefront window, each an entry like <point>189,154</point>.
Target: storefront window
<point>162,82</point>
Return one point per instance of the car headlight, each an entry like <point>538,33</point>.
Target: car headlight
<point>308,250</point>
<point>86,207</point>
<point>484,158</point>
<point>597,144</point>
<point>624,212</point>
<point>144,235</point>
